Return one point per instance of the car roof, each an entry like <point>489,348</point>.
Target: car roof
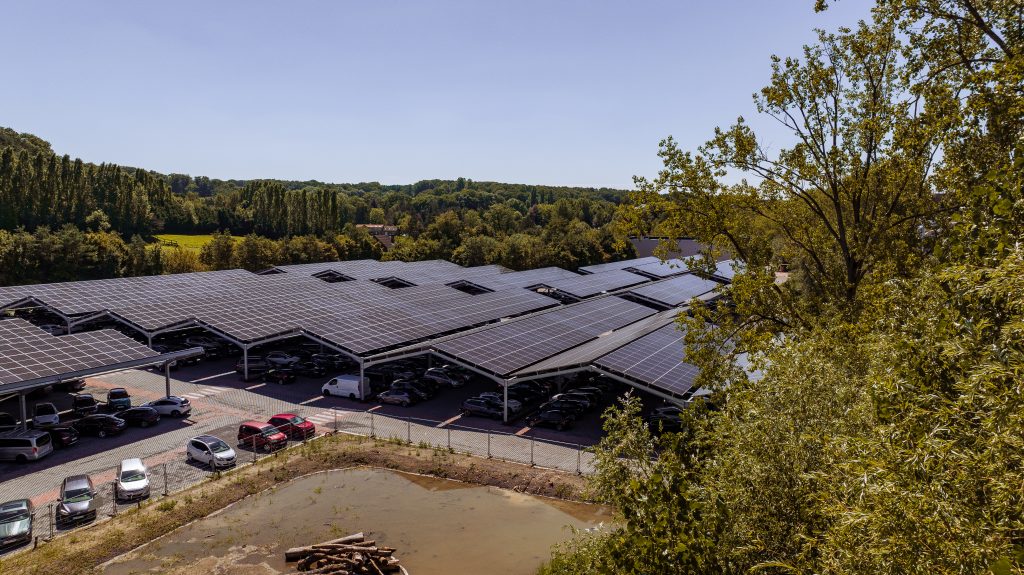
<point>255,423</point>
<point>207,438</point>
<point>284,415</point>
<point>15,504</point>
<point>75,481</point>
<point>134,463</point>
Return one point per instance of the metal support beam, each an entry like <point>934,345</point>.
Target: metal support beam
<point>24,411</point>
<point>245,363</point>
<point>504,415</point>
<point>362,396</point>
<point>167,378</point>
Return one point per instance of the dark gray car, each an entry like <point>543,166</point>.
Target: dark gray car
<point>77,500</point>
<point>15,522</point>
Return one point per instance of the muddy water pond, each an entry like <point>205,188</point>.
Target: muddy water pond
<point>438,526</point>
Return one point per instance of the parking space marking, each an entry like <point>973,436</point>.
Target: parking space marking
<point>211,377</point>
<point>449,421</point>
<point>375,408</point>
<point>308,401</point>
<point>257,386</point>
<point>322,418</point>
<point>522,431</point>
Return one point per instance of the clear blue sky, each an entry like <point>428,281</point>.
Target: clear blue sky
<point>542,92</point>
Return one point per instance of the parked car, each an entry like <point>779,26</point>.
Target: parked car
<point>443,377</point>
<point>293,425</point>
<point>45,415</point>
<point>132,480</point>
<point>347,386</point>
<point>15,522</point>
<point>402,397</point>
<point>557,418</point>
<point>597,393</point>
<point>77,500</point>
<point>70,385</point>
<point>100,425</point>
<point>212,347</point>
<point>331,360</point>
<point>524,394</point>
<point>63,435</point>
<point>309,369</point>
<point>118,399</point>
<point>495,397</point>
<point>53,329</point>
<point>413,387</point>
<point>580,399</point>
<point>281,359</point>
<point>482,407</point>
<point>141,416</point>
<point>210,450</point>
<point>84,404</point>
<point>7,422</point>
<point>172,405</point>
<point>257,367</point>
<point>25,445</point>
<point>256,435</point>
<point>279,376</point>
<point>573,407</point>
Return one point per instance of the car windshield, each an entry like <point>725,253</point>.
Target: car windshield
<point>296,420</point>
<point>268,431</point>
<point>45,409</point>
<point>8,515</point>
<point>132,475</point>
<point>76,495</point>
<point>218,446</point>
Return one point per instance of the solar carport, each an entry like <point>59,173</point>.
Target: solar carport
<point>489,319</point>
<point>31,358</point>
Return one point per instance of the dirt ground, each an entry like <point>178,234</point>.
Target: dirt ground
<point>81,551</point>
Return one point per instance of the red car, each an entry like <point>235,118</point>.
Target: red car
<point>256,434</point>
<point>293,425</point>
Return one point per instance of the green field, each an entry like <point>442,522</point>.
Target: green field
<point>190,242</point>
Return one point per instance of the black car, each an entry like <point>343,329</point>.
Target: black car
<point>63,435</point>
<point>84,404</point>
<point>309,369</point>
<point>141,416</point>
<point>331,360</point>
<point>573,407</point>
<point>171,348</point>
<point>71,385</point>
<point>483,408</point>
<point>557,418</point>
<point>279,376</point>
<point>7,422</point>
<point>100,425</point>
<point>586,401</point>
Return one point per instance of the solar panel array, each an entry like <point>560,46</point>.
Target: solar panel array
<point>506,348</point>
<point>621,265</point>
<point>661,269</point>
<point>725,270</point>
<point>28,353</point>
<point>655,360</point>
<point>676,291</point>
<point>594,284</point>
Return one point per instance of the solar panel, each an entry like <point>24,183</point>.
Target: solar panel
<point>28,353</point>
<point>511,346</point>
<point>593,284</point>
<point>676,291</point>
<point>620,265</point>
<point>725,270</point>
<point>655,360</point>
<point>661,269</point>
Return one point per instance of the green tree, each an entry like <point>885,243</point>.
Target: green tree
<point>218,253</point>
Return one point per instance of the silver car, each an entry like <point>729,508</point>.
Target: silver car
<point>132,480</point>
<point>77,500</point>
<point>15,522</point>
<point>173,406</point>
<point>211,451</point>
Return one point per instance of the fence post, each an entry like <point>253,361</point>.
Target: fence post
<point>335,410</point>
<point>488,445</point>
<point>531,452</point>
<point>408,431</point>
<point>579,456</point>
<point>371,425</point>
<point>165,479</point>
<point>449,430</point>
<point>51,521</point>
<point>113,497</point>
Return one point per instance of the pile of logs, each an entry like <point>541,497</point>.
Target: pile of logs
<point>352,555</point>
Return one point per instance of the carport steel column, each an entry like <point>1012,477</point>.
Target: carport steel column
<point>24,410</point>
<point>245,363</point>
<point>167,378</point>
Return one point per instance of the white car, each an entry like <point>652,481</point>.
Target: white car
<point>443,377</point>
<point>281,359</point>
<point>132,480</point>
<point>513,405</point>
<point>210,450</point>
<point>45,415</point>
<point>173,405</point>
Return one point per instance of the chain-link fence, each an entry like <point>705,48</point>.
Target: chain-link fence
<point>169,472</point>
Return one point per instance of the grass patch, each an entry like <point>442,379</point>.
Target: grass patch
<point>194,242</point>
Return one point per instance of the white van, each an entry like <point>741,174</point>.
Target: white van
<point>347,386</point>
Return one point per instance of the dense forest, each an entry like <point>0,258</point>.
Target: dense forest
<point>886,432</point>
<point>64,219</point>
